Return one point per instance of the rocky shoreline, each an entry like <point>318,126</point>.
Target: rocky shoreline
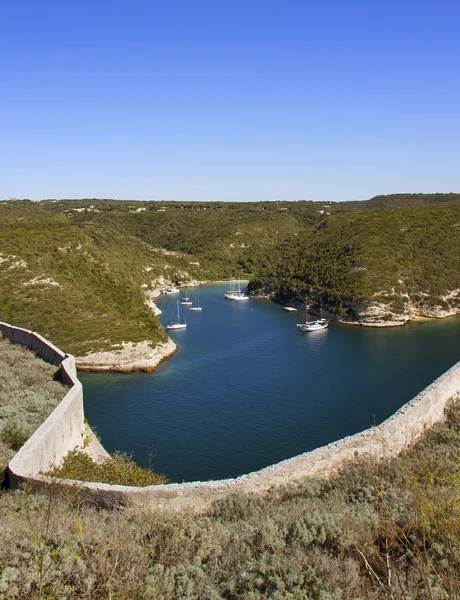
<point>131,357</point>
<point>379,314</point>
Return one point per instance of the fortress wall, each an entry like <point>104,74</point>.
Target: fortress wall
<point>388,439</point>
<point>396,433</point>
<point>33,341</point>
<point>64,429</point>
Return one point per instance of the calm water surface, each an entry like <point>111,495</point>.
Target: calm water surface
<point>246,389</point>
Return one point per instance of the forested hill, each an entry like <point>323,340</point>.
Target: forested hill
<point>79,271</point>
<point>398,201</point>
<point>373,266</point>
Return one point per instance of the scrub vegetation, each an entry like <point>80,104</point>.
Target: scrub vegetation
<point>78,270</point>
<point>118,469</point>
<point>28,394</point>
<point>378,530</point>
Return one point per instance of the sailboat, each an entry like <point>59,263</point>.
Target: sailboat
<point>232,290</point>
<point>185,301</point>
<point>236,294</point>
<point>197,307</point>
<point>313,325</point>
<point>177,324</point>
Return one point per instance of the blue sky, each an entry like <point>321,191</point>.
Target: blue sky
<point>229,100</point>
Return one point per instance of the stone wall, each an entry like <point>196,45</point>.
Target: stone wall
<point>64,429</point>
<point>388,439</point>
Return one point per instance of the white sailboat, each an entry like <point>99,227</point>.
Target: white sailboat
<point>236,294</point>
<point>177,324</point>
<point>231,291</point>
<point>196,308</point>
<point>316,325</point>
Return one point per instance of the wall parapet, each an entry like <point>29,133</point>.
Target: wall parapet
<point>385,440</point>
<point>64,429</point>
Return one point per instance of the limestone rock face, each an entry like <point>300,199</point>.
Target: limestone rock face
<point>388,309</point>
<point>131,357</point>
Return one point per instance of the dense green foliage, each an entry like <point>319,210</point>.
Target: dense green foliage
<point>118,469</point>
<point>398,254</point>
<point>28,394</point>
<point>376,531</point>
<point>78,270</point>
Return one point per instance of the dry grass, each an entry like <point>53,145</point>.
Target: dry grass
<point>388,530</point>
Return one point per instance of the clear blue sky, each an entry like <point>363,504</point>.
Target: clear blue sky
<point>229,99</point>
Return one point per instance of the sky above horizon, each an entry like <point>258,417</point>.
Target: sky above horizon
<point>231,101</point>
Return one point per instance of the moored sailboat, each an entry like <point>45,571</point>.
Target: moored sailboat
<point>196,308</point>
<point>236,294</point>
<point>177,324</point>
<point>316,325</point>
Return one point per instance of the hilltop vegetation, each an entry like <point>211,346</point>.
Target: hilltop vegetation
<point>404,258</point>
<point>79,270</point>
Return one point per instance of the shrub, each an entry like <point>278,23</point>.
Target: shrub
<point>13,436</point>
<point>119,469</point>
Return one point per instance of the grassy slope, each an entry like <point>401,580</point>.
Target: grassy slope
<point>98,301</point>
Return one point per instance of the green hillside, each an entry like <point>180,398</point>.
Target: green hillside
<point>395,256</point>
<point>77,270</point>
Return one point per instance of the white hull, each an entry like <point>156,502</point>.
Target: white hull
<point>314,325</point>
<point>236,294</point>
<point>176,326</point>
<point>196,308</point>
<point>290,308</point>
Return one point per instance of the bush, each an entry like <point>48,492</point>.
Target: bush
<point>119,469</point>
<point>13,436</point>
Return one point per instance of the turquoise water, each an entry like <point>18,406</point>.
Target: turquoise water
<point>246,389</point>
